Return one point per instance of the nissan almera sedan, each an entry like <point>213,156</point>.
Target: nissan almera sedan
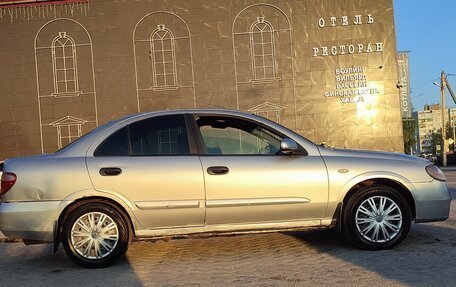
<point>184,172</point>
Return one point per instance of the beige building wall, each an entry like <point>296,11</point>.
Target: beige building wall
<point>325,68</point>
<point>429,122</point>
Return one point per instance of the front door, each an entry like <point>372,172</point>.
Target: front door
<point>150,165</point>
<point>249,180</point>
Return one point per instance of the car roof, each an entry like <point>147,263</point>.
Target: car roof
<point>85,142</point>
<point>193,111</point>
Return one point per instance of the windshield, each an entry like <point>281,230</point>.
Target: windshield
<point>284,127</point>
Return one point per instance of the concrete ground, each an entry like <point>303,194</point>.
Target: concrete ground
<point>425,258</point>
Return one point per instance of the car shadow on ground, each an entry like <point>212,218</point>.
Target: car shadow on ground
<point>425,258</point>
<point>39,266</point>
<point>293,258</point>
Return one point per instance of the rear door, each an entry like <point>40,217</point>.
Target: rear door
<point>151,163</point>
<point>249,180</point>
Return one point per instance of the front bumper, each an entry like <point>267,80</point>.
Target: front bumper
<point>432,201</point>
<point>29,220</point>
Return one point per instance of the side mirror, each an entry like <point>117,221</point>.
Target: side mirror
<point>288,146</point>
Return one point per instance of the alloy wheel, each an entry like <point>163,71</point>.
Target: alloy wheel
<point>94,235</point>
<point>378,219</point>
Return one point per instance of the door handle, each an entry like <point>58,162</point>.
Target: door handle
<point>110,171</point>
<point>217,170</point>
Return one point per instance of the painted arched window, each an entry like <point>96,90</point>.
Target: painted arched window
<point>64,65</point>
<point>163,58</point>
<point>262,50</point>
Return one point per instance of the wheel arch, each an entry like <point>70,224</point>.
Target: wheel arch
<point>388,182</point>
<point>90,199</point>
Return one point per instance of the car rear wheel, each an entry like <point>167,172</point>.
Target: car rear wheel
<point>95,235</point>
<point>377,217</point>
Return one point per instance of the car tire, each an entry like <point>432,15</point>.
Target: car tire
<point>376,217</point>
<point>95,235</point>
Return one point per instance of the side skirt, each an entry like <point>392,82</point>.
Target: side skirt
<point>227,230</point>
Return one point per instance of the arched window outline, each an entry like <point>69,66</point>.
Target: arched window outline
<point>43,50</point>
<point>167,55</point>
<point>182,35</point>
<point>239,30</point>
<point>263,51</point>
<point>65,68</point>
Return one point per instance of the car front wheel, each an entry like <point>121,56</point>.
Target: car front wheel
<point>95,235</point>
<point>377,217</point>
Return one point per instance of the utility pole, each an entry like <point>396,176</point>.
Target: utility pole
<point>444,83</point>
<point>442,105</point>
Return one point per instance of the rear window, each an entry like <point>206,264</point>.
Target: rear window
<point>115,145</point>
<point>164,135</point>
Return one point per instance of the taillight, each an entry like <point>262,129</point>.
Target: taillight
<point>8,180</point>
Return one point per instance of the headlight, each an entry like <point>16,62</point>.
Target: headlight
<point>435,172</point>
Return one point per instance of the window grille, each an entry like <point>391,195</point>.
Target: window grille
<point>68,134</point>
<point>64,66</point>
<point>262,49</point>
<point>163,58</point>
<point>68,130</point>
<point>168,141</point>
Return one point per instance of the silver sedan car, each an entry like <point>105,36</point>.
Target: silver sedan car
<point>184,172</point>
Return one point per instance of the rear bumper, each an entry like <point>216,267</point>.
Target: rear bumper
<point>432,201</point>
<point>29,220</point>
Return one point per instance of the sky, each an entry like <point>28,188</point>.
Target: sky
<point>427,29</point>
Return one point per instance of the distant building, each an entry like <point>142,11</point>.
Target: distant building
<point>433,107</point>
<point>429,121</point>
<point>325,69</point>
<point>404,83</point>
<point>452,114</point>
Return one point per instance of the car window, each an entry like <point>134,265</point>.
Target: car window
<point>115,145</point>
<point>231,136</point>
<point>165,135</point>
